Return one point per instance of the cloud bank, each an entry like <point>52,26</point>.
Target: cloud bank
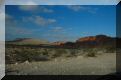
<point>35,8</point>
<point>38,20</point>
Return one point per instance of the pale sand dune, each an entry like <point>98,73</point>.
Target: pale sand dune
<point>100,65</point>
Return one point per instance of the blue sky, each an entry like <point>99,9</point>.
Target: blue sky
<point>59,23</point>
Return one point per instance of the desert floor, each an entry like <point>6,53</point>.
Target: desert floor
<point>100,65</point>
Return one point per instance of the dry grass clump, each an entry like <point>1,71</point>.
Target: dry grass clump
<point>90,52</point>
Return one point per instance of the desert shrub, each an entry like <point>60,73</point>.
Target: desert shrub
<point>73,52</point>
<point>79,52</point>
<point>10,55</point>
<point>35,55</point>
<point>58,53</point>
<point>110,50</point>
<point>23,56</point>
<point>39,58</point>
<point>90,53</point>
<point>30,54</point>
<point>45,52</point>
<point>14,55</point>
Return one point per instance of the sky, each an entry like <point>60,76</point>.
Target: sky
<point>46,2</point>
<point>59,22</point>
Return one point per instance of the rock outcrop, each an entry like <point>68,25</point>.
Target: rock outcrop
<point>96,41</point>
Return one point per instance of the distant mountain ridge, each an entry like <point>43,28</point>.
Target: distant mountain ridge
<point>89,41</point>
<point>28,41</point>
<point>97,41</point>
<point>94,38</point>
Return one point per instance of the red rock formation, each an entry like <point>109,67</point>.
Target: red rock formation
<point>95,41</point>
<point>97,38</point>
<point>91,38</point>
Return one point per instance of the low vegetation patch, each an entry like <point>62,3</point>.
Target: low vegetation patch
<point>90,53</point>
<point>22,54</point>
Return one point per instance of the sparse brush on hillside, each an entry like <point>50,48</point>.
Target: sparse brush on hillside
<point>25,54</point>
<point>90,52</point>
<point>59,53</point>
<point>22,54</point>
<point>110,50</point>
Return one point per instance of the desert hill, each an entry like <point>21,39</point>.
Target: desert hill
<point>89,41</point>
<point>97,41</point>
<point>30,41</point>
<point>93,41</point>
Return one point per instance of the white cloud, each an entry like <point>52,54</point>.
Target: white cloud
<point>10,21</point>
<point>39,20</point>
<point>28,7</point>
<point>42,21</point>
<point>35,8</point>
<point>57,29</point>
<point>77,8</point>
<point>46,10</point>
<point>13,27</point>
<point>17,31</point>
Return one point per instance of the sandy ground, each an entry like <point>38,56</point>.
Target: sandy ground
<point>100,65</point>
